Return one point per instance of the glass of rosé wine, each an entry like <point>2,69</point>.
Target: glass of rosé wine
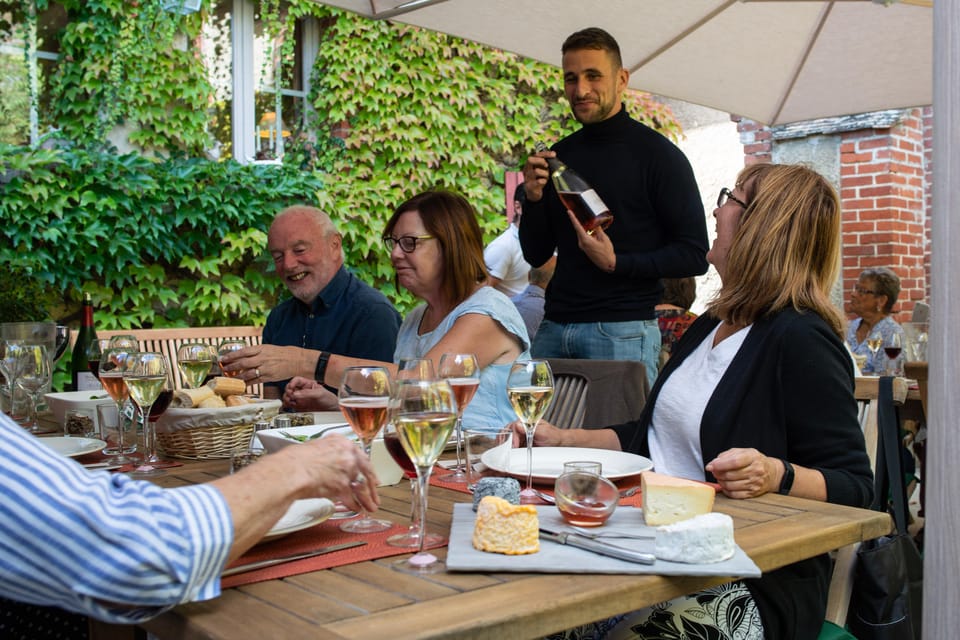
<point>364,399</point>
<point>462,372</point>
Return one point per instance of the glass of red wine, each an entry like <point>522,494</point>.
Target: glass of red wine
<point>94,350</point>
<point>893,347</point>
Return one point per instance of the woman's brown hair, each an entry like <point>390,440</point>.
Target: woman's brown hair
<point>452,220</point>
<point>786,251</point>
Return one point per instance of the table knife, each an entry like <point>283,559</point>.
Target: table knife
<point>262,564</point>
<point>596,546</point>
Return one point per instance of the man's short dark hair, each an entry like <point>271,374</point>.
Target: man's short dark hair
<point>520,194</point>
<point>593,38</point>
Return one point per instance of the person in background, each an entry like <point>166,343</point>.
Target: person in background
<point>436,248</point>
<point>124,550</point>
<point>673,312</point>
<point>504,258</point>
<point>758,397</point>
<point>601,300</point>
<point>872,301</point>
<point>530,302</point>
<point>330,308</point>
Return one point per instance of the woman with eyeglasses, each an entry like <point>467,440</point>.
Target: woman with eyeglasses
<point>757,396</point>
<point>436,248</point>
<point>872,301</point>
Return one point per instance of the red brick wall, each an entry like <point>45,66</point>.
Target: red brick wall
<point>883,193</point>
<point>885,187</point>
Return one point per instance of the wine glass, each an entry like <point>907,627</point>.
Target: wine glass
<point>874,342</point>
<point>892,347</point>
<point>364,399</point>
<point>409,369</point>
<point>530,389</point>
<point>229,346</point>
<point>94,352</point>
<point>145,375</point>
<point>195,359</point>
<point>112,363</point>
<point>424,413</point>
<point>10,368</point>
<point>33,374</point>
<point>462,371</point>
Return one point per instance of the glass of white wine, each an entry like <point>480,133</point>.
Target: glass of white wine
<point>424,413</point>
<point>145,375</point>
<point>462,371</point>
<point>530,389</point>
<point>874,342</point>
<point>195,361</point>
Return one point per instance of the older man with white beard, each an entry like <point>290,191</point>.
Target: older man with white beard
<point>331,309</point>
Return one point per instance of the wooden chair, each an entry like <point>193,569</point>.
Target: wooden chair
<point>596,393</point>
<point>841,583</point>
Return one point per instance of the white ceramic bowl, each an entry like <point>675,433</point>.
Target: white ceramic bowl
<point>60,402</point>
<point>388,471</point>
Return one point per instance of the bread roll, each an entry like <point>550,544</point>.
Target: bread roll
<point>213,402</point>
<point>187,398</point>
<point>236,401</point>
<point>227,386</point>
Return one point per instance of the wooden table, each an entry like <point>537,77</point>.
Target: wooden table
<point>371,600</point>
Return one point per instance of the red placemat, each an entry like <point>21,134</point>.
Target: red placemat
<point>325,534</point>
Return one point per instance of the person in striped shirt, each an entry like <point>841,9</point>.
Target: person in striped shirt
<point>124,550</point>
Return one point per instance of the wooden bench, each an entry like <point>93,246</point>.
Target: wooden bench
<point>167,341</point>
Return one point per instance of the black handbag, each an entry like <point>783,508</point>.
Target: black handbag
<point>887,598</point>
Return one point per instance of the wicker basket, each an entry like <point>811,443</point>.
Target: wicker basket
<point>207,434</point>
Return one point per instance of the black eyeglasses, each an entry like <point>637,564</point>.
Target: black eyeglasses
<point>408,244</point>
<point>863,291</point>
<point>726,194</point>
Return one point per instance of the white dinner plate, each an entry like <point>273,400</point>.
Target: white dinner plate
<point>73,447</point>
<point>302,514</point>
<point>548,462</point>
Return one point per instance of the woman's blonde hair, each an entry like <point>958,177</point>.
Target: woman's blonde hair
<point>786,250</point>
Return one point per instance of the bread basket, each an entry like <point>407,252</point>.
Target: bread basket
<point>206,434</point>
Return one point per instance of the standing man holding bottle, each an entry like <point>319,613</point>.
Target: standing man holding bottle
<point>600,302</point>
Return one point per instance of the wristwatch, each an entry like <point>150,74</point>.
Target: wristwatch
<point>321,371</point>
<point>786,483</point>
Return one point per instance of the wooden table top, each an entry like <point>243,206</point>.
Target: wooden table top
<point>371,600</point>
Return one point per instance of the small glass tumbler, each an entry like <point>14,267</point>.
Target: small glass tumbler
<point>486,447</point>
<point>80,423</point>
<point>585,498</point>
<point>587,466</point>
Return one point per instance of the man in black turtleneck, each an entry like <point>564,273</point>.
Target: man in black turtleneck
<point>600,302</point>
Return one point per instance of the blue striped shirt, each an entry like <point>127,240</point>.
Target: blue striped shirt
<point>114,548</point>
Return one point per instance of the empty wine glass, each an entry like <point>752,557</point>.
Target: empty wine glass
<point>9,368</point>
<point>530,389</point>
<point>111,377</point>
<point>364,400</point>
<point>892,348</point>
<point>195,360</point>
<point>424,413</point>
<point>145,375</point>
<point>229,346</point>
<point>462,371</point>
<point>33,373</point>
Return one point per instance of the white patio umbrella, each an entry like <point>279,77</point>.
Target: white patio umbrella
<point>774,61</point>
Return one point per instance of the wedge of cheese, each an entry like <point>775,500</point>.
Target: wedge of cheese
<point>667,499</point>
<point>501,527</point>
<point>701,540</point>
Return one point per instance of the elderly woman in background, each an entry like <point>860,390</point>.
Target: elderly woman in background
<point>872,301</point>
<point>436,248</point>
<point>757,396</point>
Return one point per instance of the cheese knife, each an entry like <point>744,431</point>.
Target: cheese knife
<point>596,546</point>
<point>263,564</point>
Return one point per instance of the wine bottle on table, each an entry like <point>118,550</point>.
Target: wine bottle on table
<point>577,195</point>
<point>81,377</point>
